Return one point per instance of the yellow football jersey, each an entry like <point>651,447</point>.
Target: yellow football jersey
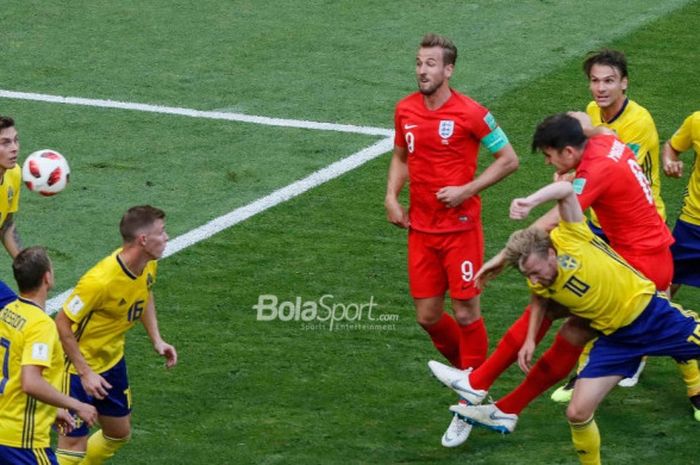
<point>28,336</point>
<point>687,136</point>
<point>9,192</point>
<point>593,281</point>
<point>107,301</point>
<point>635,127</point>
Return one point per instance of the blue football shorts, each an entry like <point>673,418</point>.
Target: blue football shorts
<point>116,404</point>
<point>18,456</point>
<point>662,329</point>
<point>686,254</point>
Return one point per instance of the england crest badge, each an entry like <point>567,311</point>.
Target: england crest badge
<point>446,128</point>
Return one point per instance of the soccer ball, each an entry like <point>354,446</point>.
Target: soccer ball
<point>46,172</point>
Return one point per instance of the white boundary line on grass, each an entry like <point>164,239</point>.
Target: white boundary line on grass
<point>238,215</point>
<point>277,197</point>
<point>218,115</point>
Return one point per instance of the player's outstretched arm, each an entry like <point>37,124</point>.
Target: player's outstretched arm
<point>561,191</point>
<point>150,322</point>
<point>396,179</point>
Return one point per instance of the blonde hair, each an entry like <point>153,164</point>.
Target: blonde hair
<point>524,242</point>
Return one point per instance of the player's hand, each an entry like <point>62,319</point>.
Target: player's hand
<point>525,355</point>
<point>65,423</point>
<point>167,351</point>
<point>396,214</point>
<point>95,385</point>
<point>520,208</point>
<point>452,196</point>
<point>673,168</point>
<point>87,413</point>
<point>489,270</point>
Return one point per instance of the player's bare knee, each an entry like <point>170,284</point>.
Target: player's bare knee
<point>118,428</point>
<point>576,413</point>
<point>77,443</point>
<point>466,311</point>
<point>428,311</point>
<point>428,319</point>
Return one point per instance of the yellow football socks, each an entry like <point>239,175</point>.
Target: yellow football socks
<point>691,376</point>
<point>101,447</point>
<point>586,439</point>
<point>69,457</point>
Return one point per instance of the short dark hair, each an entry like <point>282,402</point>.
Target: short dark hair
<point>138,218</point>
<point>29,268</point>
<point>558,131</point>
<point>449,50</point>
<point>6,122</point>
<point>607,57</point>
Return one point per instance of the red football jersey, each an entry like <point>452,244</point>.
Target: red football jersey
<point>442,150</point>
<point>610,180</point>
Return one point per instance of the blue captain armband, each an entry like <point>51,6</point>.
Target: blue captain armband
<point>495,140</point>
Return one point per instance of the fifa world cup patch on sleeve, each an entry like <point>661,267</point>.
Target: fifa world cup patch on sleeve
<point>75,305</point>
<point>579,184</point>
<point>40,351</point>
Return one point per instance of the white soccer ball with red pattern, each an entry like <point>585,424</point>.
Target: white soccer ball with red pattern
<point>46,172</point>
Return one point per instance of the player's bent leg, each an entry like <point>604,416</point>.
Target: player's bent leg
<point>578,332</point>
<point>474,340</point>
<point>103,443</point>
<point>506,352</point>
<point>554,365</point>
<point>691,378</point>
<point>589,393</point>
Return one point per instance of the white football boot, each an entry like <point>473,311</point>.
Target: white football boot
<point>458,381</point>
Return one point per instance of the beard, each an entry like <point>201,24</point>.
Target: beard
<point>430,89</point>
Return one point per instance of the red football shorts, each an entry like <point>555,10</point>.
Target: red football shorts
<point>657,266</point>
<point>437,262</point>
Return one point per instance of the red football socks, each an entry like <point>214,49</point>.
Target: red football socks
<point>446,335</point>
<point>473,345</point>
<point>506,352</point>
<point>553,366</point>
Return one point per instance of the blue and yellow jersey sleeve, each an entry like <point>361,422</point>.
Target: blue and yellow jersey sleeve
<point>586,269</point>
<point>107,301</point>
<point>686,137</point>
<point>635,127</point>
